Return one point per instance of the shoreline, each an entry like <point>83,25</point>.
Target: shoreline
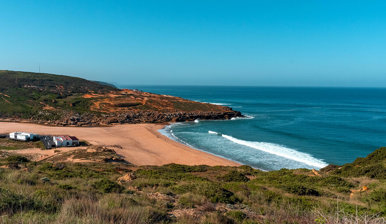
<point>142,144</point>
<point>179,141</point>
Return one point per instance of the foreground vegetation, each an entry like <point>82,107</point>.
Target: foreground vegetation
<point>116,192</point>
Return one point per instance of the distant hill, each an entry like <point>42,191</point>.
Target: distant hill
<point>65,100</point>
<point>42,82</point>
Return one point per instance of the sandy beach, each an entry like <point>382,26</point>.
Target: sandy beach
<point>141,144</point>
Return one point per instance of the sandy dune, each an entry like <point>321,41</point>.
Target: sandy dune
<point>142,144</point>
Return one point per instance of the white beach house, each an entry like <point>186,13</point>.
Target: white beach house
<point>65,140</point>
<point>22,136</point>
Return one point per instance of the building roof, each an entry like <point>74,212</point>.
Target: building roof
<point>74,138</point>
<point>67,137</point>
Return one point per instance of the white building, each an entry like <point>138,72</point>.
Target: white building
<point>65,141</point>
<point>22,136</point>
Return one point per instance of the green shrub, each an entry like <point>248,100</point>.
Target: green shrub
<point>216,194</point>
<point>17,159</point>
<point>371,166</point>
<point>238,216</point>
<point>172,172</point>
<point>234,176</point>
<point>141,183</point>
<point>376,171</point>
<point>90,211</point>
<point>191,200</point>
<point>65,186</point>
<point>377,156</point>
<point>217,218</point>
<point>335,181</point>
<point>11,203</point>
<point>301,190</point>
<point>378,196</point>
<point>62,171</point>
<point>108,186</point>
<point>28,180</point>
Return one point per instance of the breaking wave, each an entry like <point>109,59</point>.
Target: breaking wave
<point>220,104</point>
<point>278,150</point>
<point>242,118</point>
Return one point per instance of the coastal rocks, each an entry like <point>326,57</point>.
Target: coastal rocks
<point>159,115</point>
<point>132,117</point>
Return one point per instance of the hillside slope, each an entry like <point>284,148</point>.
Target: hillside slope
<point>103,188</point>
<point>64,100</point>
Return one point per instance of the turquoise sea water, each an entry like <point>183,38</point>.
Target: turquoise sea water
<point>285,127</point>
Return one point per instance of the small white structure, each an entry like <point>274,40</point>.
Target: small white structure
<point>65,140</point>
<point>22,136</point>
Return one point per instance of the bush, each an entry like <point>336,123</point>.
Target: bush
<point>66,186</point>
<point>216,194</point>
<point>371,166</point>
<point>173,172</point>
<point>90,211</point>
<point>108,186</point>
<point>335,181</point>
<point>63,171</point>
<point>376,171</point>
<point>237,215</point>
<point>190,200</point>
<point>234,176</point>
<point>302,190</point>
<point>11,203</point>
<point>17,159</point>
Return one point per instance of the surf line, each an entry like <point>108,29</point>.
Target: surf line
<point>277,150</point>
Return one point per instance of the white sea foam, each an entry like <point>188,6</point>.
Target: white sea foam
<point>212,132</point>
<point>168,132</point>
<point>220,104</point>
<point>281,151</point>
<point>241,118</point>
<point>197,121</point>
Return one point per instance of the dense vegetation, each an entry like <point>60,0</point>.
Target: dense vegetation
<point>115,192</point>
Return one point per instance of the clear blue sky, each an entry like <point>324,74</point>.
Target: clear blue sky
<point>268,43</point>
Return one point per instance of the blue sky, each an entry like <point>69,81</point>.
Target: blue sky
<point>262,43</point>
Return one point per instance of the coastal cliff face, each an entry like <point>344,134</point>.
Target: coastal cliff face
<point>63,100</point>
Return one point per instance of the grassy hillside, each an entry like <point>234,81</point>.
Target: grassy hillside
<point>59,84</point>
<point>25,94</point>
<point>65,100</point>
<point>55,191</point>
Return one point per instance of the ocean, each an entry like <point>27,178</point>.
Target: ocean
<point>284,127</point>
